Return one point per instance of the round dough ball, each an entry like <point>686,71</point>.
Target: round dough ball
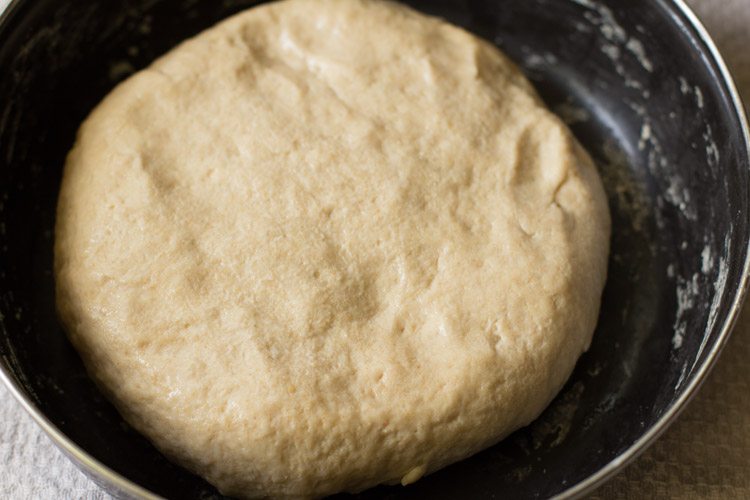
<point>328,244</point>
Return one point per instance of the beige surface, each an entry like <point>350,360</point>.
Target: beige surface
<point>706,453</point>
<point>353,249</point>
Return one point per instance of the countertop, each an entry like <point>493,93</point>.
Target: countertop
<point>705,454</point>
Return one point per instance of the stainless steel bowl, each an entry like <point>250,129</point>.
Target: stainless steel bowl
<point>642,86</point>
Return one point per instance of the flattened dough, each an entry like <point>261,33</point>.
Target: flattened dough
<point>327,244</point>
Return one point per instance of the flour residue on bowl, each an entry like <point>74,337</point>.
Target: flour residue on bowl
<point>707,259</point>
<point>719,285</point>
<point>714,272</point>
<point>699,279</point>
<point>571,114</point>
<point>619,42</point>
<point>695,93</point>
<point>636,47</point>
<point>616,44</point>
<point>625,190</point>
<point>712,265</point>
<point>712,151</point>
<point>551,430</point>
<point>687,292</point>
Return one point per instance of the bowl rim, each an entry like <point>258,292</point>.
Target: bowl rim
<point>95,469</point>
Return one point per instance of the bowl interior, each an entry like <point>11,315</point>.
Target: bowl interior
<point>636,84</point>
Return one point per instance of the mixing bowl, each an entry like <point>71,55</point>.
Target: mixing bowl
<point>639,82</point>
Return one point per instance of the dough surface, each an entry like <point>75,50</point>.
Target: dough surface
<point>328,244</point>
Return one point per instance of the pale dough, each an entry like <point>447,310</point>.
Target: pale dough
<point>327,244</point>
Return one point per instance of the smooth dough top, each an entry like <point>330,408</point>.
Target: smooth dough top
<point>327,244</point>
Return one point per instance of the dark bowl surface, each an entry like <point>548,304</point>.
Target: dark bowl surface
<point>640,86</point>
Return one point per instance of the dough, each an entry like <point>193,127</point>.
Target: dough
<point>328,244</point>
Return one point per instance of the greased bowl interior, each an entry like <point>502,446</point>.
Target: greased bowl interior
<point>638,82</point>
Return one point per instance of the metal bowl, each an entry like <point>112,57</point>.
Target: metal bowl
<point>639,82</point>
